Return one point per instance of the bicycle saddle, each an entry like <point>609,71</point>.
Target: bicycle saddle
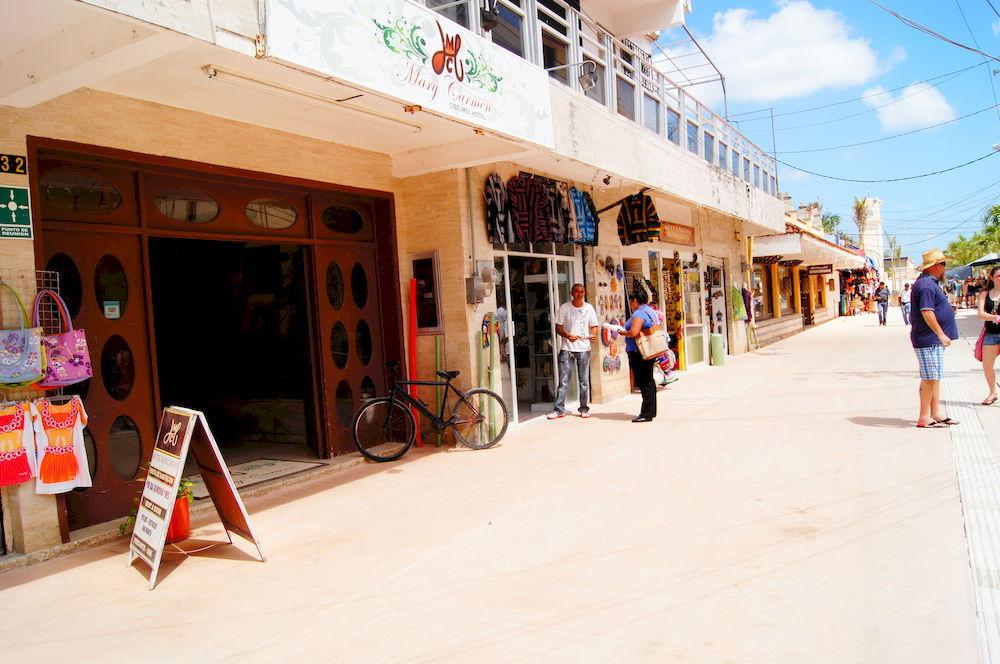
<point>448,375</point>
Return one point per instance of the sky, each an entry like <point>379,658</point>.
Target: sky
<point>799,54</point>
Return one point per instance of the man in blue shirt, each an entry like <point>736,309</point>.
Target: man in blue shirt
<point>933,328</point>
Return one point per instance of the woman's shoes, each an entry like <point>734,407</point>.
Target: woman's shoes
<point>990,400</point>
<point>643,419</point>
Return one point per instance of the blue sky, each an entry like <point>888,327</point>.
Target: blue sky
<point>797,54</point>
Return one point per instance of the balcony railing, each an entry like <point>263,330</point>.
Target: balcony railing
<point>551,33</point>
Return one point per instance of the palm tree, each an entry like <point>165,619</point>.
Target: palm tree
<point>860,207</point>
<point>830,222</point>
<point>895,252</point>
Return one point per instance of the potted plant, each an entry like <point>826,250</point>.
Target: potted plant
<point>179,528</point>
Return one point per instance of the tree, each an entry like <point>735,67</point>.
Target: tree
<point>830,222</point>
<point>895,253</point>
<point>964,250</point>
<point>860,208</point>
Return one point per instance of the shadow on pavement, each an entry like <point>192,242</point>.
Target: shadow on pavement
<point>882,422</point>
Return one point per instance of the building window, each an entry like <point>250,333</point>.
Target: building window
<point>459,13</point>
<point>764,182</point>
<point>509,31</point>
<point>692,137</point>
<point>736,163</point>
<point>746,169</point>
<point>673,126</point>
<point>723,155</point>
<point>786,292</point>
<point>756,176</point>
<point>709,148</point>
<point>597,92</point>
<point>651,113</point>
<point>626,98</point>
<point>760,292</point>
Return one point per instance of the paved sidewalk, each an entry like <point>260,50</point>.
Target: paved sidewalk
<point>781,509</point>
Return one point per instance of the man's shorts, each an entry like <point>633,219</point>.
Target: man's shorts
<point>931,360</point>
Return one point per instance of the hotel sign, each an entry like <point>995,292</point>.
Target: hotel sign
<point>677,234</point>
<point>417,56</point>
<point>821,269</point>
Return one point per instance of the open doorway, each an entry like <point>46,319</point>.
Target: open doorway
<point>232,340</point>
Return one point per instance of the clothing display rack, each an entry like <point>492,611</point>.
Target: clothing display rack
<point>622,200</point>
<point>48,317</point>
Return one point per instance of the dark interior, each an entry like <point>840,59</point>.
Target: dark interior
<point>232,340</point>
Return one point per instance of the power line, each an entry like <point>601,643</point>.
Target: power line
<point>901,179</point>
<point>849,101</point>
<point>888,138</point>
<point>927,31</point>
<point>990,3</point>
<point>989,74</point>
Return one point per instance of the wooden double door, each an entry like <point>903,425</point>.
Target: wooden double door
<point>97,224</point>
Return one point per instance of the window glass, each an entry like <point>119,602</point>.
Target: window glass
<point>458,13</point>
<point>736,163</point>
<point>746,169</point>
<point>651,113</point>
<point>342,219</point>
<point>723,154</point>
<point>428,314</point>
<point>692,142</point>
<point>756,176</point>
<point>79,193</point>
<point>709,148</point>
<point>507,33</point>
<point>70,283</point>
<point>598,93</point>
<point>359,285</point>
<point>785,292</point>
<point>117,368</point>
<point>270,213</point>
<point>110,287</point>
<point>626,98</point>
<point>188,205</point>
<point>673,126</point>
<point>124,448</point>
<point>555,52</point>
<point>760,292</point>
<point>335,285</point>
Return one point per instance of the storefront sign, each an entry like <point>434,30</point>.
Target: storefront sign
<point>417,56</point>
<point>112,309</point>
<point>677,234</point>
<point>13,163</point>
<point>182,430</point>
<point>15,213</point>
<point>821,269</point>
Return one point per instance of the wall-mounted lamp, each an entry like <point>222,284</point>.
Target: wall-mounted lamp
<point>588,75</point>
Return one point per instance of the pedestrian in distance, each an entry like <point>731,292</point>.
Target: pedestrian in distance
<point>643,318</point>
<point>988,304</point>
<point>576,325</point>
<point>904,303</point>
<point>932,330</point>
<point>882,299</point>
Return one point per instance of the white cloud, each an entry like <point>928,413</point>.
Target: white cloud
<point>796,51</point>
<point>914,107</point>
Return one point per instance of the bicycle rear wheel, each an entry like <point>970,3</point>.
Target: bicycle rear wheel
<point>479,419</point>
<point>384,429</point>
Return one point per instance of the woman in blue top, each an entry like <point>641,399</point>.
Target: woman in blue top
<point>643,318</point>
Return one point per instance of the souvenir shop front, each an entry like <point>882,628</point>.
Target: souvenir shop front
<point>267,302</point>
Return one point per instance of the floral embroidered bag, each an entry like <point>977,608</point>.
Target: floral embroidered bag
<point>67,353</point>
<point>22,356</point>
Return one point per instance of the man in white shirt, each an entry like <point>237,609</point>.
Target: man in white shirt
<point>904,303</point>
<point>576,324</point>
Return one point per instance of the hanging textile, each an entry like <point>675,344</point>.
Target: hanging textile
<point>748,303</point>
<point>531,208</point>
<point>17,444</point>
<point>637,220</point>
<point>739,307</point>
<point>62,459</point>
<point>587,219</point>
<point>569,214</point>
<point>498,217</point>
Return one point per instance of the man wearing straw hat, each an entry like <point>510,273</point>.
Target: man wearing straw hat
<point>933,328</point>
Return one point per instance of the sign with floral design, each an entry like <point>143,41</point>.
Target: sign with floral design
<point>417,56</point>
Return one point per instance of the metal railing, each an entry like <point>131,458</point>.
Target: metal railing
<point>550,33</point>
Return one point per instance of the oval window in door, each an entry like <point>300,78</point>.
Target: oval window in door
<point>78,193</point>
<point>344,403</point>
<point>363,342</point>
<point>70,283</point>
<point>117,368</point>
<point>359,285</point>
<point>187,205</point>
<point>343,219</point>
<point>111,287</point>
<point>271,213</point>
<point>339,345</point>
<point>335,285</point>
<point>124,448</point>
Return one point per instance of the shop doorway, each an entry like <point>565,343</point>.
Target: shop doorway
<point>232,333</point>
<point>694,313</point>
<point>718,315</point>
<point>531,290</point>
<point>805,299</point>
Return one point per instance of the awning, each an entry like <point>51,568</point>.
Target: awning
<point>807,248</point>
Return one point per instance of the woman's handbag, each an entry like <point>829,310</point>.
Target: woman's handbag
<point>67,353</point>
<point>978,352</point>
<point>652,343</point>
<point>22,355</point>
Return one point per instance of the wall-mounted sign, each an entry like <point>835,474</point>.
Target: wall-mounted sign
<point>677,234</point>
<point>13,163</point>
<point>112,309</point>
<point>15,212</point>
<point>182,431</point>
<point>417,56</point>
<point>821,269</point>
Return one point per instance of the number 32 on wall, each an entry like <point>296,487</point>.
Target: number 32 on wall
<point>13,163</point>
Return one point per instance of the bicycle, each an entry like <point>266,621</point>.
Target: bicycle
<point>384,428</point>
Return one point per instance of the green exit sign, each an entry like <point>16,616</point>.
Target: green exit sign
<point>15,212</point>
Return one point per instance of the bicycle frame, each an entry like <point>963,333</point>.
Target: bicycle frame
<point>403,396</point>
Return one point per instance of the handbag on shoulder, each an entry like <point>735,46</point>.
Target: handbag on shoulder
<point>652,343</point>
<point>67,352</point>
<point>22,355</point>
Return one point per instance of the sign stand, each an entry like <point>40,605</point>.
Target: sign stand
<point>183,430</point>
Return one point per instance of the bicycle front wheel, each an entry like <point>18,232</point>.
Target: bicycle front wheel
<point>384,429</point>
<point>479,419</point>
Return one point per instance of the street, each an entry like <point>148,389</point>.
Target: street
<point>782,508</point>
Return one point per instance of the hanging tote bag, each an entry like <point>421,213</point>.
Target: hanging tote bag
<point>67,355</point>
<point>978,352</point>
<point>652,343</point>
<point>22,355</point>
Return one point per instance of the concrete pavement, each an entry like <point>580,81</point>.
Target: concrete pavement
<point>780,509</point>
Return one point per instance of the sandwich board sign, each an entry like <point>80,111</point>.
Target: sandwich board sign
<point>183,431</point>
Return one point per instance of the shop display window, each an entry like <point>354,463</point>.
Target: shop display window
<point>786,299</point>
<point>760,288</point>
